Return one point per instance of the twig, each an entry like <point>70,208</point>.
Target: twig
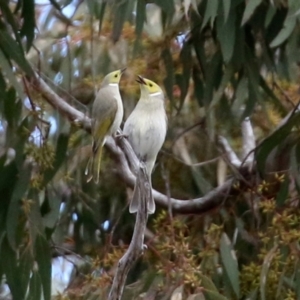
<point>234,160</point>
<point>248,141</point>
<point>136,246</point>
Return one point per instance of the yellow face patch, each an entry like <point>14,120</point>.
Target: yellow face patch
<point>114,77</point>
<point>151,86</point>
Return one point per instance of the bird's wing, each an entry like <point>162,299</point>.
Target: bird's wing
<point>103,116</point>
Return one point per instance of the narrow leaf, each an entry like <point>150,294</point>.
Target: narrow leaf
<point>226,7</point>
<point>169,80</point>
<point>264,271</point>
<point>11,49</point>
<point>15,203</point>
<point>211,11</point>
<point>273,140</point>
<point>167,6</point>
<point>226,35</point>
<point>249,10</point>
<point>229,261</point>
<point>43,258</point>
<point>35,287</point>
<point>10,269</point>
<point>213,295</point>
<point>283,192</point>
<point>285,32</point>
<point>28,15</point>
<point>60,155</point>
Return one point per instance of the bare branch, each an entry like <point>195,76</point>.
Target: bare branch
<point>136,246</point>
<point>57,102</point>
<point>248,141</point>
<point>231,155</point>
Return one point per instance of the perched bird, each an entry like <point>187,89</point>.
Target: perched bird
<point>107,115</point>
<point>146,129</point>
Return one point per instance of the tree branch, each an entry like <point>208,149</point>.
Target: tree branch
<point>136,246</point>
<point>248,141</point>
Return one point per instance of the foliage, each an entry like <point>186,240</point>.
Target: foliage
<point>219,62</point>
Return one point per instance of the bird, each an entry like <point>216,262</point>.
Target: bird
<point>107,115</point>
<point>146,129</point>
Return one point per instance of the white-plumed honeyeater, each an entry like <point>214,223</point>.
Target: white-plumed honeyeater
<point>146,130</point>
<point>107,115</point>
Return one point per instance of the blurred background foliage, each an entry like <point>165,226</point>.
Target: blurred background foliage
<point>219,62</point>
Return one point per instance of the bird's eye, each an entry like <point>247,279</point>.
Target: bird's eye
<point>116,75</point>
<point>150,84</point>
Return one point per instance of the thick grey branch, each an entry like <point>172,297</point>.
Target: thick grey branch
<point>248,141</point>
<point>231,155</point>
<point>136,246</point>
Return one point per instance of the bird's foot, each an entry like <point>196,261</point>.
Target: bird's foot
<point>119,135</point>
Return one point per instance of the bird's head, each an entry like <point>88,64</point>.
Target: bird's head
<point>149,87</point>
<point>113,78</point>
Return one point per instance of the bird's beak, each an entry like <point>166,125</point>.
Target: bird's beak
<point>123,70</point>
<point>140,80</point>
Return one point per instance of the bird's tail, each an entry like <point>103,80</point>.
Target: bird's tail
<point>136,198</point>
<point>93,166</point>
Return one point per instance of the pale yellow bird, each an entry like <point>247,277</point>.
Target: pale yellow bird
<point>146,129</point>
<point>107,115</point>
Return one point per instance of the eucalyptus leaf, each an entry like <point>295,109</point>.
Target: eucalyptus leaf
<point>43,259</point>
<point>230,264</point>
<point>28,27</point>
<point>249,10</point>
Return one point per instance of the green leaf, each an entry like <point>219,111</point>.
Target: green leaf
<point>167,6</point>
<point>43,258</point>
<point>213,77</point>
<point>15,204</point>
<point>60,156</point>
<point>230,264</point>
<point>285,32</point>
<point>35,221</point>
<point>224,83</point>
<point>10,19</point>
<point>264,271</point>
<point>28,15</point>
<point>271,96</point>
<point>297,282</point>
<point>140,17</point>
<point>187,63</point>
<point>226,35</point>
<point>121,13</point>
<point>9,266</point>
<point>25,267</point>
<point>265,148</point>
<point>169,80</point>
<point>269,16</point>
<point>249,10</point>
<point>11,49</point>
<point>240,97</point>
<point>226,7</point>
<point>139,22</point>
<point>207,283</point>
<point>10,75</point>
<point>101,14</point>
<point>10,107</point>
<point>35,287</point>
<point>213,295</point>
<point>211,11</point>
<point>54,201</point>
<point>198,87</point>
<point>283,192</point>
